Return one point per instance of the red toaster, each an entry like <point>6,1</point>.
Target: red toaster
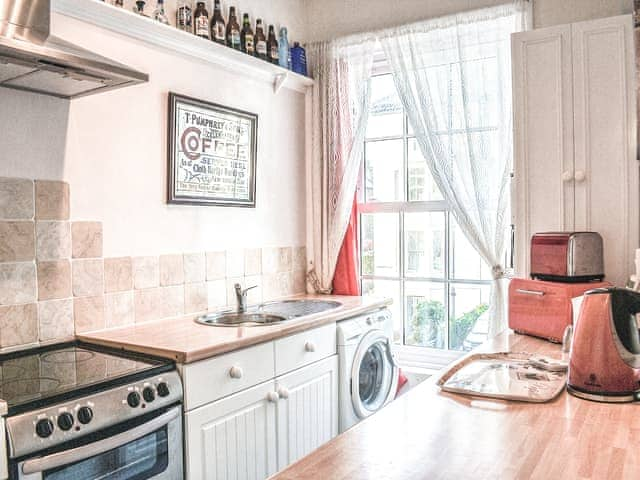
<point>544,309</point>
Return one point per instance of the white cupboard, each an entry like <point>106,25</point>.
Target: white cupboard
<point>574,137</point>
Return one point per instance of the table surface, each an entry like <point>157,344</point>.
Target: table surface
<point>429,434</point>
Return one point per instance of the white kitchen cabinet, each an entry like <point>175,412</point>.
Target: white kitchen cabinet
<point>574,137</point>
<point>307,413</point>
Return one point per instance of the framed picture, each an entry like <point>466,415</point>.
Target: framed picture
<point>212,154</point>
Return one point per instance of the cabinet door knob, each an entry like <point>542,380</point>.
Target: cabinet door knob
<point>310,347</point>
<point>567,176</point>
<point>235,372</point>
<point>273,397</point>
<point>283,392</point>
<point>580,176</point>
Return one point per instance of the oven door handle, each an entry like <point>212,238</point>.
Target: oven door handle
<point>69,457</point>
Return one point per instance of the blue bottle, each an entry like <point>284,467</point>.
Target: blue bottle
<point>298,59</point>
<point>283,49</point>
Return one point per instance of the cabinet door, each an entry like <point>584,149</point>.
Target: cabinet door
<point>604,124</point>
<point>233,438</point>
<point>307,412</point>
<point>543,197</point>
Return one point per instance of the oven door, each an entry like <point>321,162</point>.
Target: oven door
<point>152,450</point>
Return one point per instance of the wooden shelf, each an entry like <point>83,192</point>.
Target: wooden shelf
<point>171,39</point>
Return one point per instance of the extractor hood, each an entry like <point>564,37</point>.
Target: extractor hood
<point>32,60</point>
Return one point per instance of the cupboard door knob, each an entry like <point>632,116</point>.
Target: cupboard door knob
<point>273,397</point>
<point>310,347</point>
<point>567,176</point>
<point>235,372</point>
<point>580,176</point>
<point>283,392</point>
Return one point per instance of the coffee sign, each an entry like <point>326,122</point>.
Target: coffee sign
<point>212,153</point>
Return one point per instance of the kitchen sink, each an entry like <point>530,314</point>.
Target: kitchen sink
<point>271,313</point>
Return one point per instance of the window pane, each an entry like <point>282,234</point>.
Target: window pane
<point>424,244</point>
<point>468,320</point>
<point>390,289</point>
<point>465,262</point>
<point>380,250</point>
<point>421,184</point>
<point>425,308</point>
<point>385,113</point>
<point>384,178</point>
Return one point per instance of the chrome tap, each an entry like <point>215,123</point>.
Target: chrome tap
<point>241,297</point>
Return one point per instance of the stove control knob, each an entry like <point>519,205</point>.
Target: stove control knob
<point>44,428</point>
<point>163,389</point>
<point>85,414</point>
<point>133,399</point>
<point>149,394</point>
<point>65,421</point>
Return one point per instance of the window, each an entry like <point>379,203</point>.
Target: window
<point>411,247</point>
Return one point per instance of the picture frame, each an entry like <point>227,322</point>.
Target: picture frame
<point>211,152</point>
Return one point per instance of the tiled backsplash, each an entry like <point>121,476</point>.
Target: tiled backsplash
<point>54,280</point>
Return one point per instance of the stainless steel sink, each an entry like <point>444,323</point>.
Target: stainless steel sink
<point>232,319</point>
<point>297,308</point>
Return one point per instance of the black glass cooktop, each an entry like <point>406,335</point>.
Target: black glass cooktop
<point>43,376</point>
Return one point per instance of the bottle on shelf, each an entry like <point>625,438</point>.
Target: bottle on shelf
<point>184,16</point>
<point>260,41</point>
<point>298,59</point>
<point>118,3</point>
<point>247,39</point>
<point>139,8</point>
<point>272,46</point>
<point>158,14</point>
<point>283,49</point>
<point>218,33</point>
<point>233,30</point>
<point>201,21</point>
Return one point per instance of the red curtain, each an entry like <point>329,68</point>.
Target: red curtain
<point>345,280</point>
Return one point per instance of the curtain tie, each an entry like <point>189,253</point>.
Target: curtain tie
<point>497,271</point>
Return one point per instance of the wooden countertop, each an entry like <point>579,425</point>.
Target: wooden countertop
<point>184,340</point>
<point>428,434</point>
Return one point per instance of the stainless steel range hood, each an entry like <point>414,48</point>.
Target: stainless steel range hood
<point>32,60</point>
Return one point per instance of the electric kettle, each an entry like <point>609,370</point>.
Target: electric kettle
<point>604,362</point>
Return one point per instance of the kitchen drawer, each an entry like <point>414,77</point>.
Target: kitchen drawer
<point>304,348</point>
<point>217,377</point>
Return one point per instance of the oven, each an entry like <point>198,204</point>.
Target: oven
<point>147,447</point>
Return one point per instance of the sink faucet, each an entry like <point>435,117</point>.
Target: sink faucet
<point>241,297</point>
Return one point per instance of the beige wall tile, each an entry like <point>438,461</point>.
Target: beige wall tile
<point>171,270</point>
<point>146,304</point>
<point>53,240</point>
<point>17,241</point>
<point>299,282</point>
<point>17,283</point>
<point>18,325</point>
<point>118,274</point>
<point>16,199</point>
<point>146,272</point>
<point>86,239</point>
<point>195,297</point>
<point>235,263</point>
<point>270,260</point>
<point>172,301</point>
<point>195,267</point>
<point>252,261</point>
<point>88,314</point>
<point>277,286</point>
<point>55,319</point>
<point>284,259</point>
<point>52,200</point>
<point>88,277</point>
<point>119,309</point>
<point>216,265</point>
<point>54,279</point>
<point>299,259</point>
<point>254,296</point>
<point>217,294</point>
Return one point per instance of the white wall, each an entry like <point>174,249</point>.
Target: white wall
<point>335,18</point>
<point>111,148</point>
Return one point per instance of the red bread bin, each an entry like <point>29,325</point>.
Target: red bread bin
<point>544,309</point>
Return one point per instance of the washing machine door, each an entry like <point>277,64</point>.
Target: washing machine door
<point>374,375</point>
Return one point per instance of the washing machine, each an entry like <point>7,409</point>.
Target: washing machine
<point>368,370</point>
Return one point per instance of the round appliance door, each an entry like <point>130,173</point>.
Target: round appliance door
<point>374,375</point>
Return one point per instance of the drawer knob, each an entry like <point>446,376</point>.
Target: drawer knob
<point>567,176</point>
<point>235,372</point>
<point>580,176</point>
<point>283,392</point>
<point>273,397</point>
<point>310,347</point>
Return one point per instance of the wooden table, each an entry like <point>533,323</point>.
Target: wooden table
<point>428,434</point>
